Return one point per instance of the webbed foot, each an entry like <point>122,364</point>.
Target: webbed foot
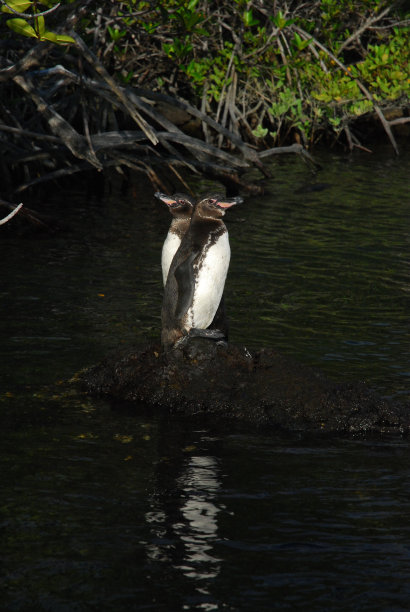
<point>196,332</point>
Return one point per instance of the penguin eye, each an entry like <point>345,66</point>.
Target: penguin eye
<point>212,200</point>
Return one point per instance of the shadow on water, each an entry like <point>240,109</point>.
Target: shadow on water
<point>104,510</point>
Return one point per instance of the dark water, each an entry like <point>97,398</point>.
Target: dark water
<point>104,510</point>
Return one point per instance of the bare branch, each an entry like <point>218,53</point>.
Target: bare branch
<point>118,91</point>
<point>11,215</point>
<point>364,27</point>
<point>399,121</point>
<point>294,148</point>
<point>31,15</point>
<point>59,126</point>
<point>29,134</point>
<point>30,59</point>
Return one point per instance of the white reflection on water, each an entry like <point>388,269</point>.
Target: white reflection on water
<point>188,541</point>
<point>200,484</point>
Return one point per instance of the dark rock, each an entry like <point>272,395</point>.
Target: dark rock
<point>261,387</point>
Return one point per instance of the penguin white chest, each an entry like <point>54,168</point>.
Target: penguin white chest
<point>210,275</point>
<point>169,248</point>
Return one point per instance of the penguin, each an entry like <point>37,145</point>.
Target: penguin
<point>180,206</point>
<point>197,274</point>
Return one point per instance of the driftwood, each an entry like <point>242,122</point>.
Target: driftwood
<point>75,104</point>
<point>61,111</point>
<point>10,215</point>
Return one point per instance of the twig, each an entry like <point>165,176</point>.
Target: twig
<point>284,59</point>
<point>29,134</point>
<point>202,147</point>
<point>224,86</point>
<point>118,91</point>
<point>30,59</point>
<point>177,174</point>
<point>399,120</point>
<point>348,137</point>
<point>11,215</point>
<point>31,15</point>
<point>55,175</point>
<point>72,139</point>
<point>323,66</point>
<point>364,27</point>
<point>294,148</point>
<point>263,48</point>
<point>203,109</point>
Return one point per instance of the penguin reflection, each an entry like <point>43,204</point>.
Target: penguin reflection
<point>197,274</point>
<point>185,528</point>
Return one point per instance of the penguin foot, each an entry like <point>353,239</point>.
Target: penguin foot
<point>222,343</point>
<point>212,334</point>
<point>196,332</point>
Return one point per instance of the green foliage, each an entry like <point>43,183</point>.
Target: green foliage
<point>38,30</point>
<point>249,20</point>
<point>383,71</point>
<point>276,58</point>
<point>280,21</point>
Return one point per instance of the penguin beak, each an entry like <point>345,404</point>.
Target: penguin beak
<point>228,202</point>
<point>168,200</point>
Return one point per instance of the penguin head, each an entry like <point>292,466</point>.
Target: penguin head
<point>215,205</point>
<point>179,204</point>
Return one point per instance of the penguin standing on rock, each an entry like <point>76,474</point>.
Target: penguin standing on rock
<point>197,274</point>
<point>180,206</point>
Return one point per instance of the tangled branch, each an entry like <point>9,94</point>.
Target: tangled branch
<point>31,15</point>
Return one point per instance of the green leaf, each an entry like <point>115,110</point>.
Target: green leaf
<point>280,21</point>
<point>20,26</point>
<point>41,26</point>
<point>20,6</point>
<point>300,44</point>
<point>260,132</point>
<point>62,39</point>
<point>51,36</point>
<point>249,19</point>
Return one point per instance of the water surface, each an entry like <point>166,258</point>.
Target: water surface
<point>102,509</point>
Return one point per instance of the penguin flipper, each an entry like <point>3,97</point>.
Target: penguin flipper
<point>184,275</point>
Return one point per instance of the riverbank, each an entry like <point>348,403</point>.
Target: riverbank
<point>187,89</point>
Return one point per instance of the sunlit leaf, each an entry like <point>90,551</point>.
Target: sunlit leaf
<point>20,6</point>
<point>41,26</point>
<point>51,36</point>
<point>20,26</point>
<point>60,39</point>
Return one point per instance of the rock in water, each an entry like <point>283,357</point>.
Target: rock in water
<point>260,386</point>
